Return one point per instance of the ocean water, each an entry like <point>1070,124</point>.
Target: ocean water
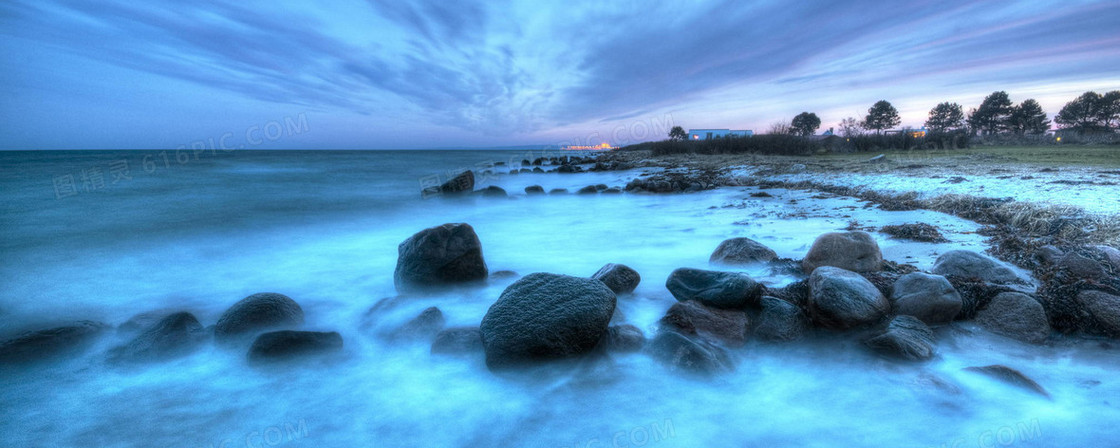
<point>107,235</point>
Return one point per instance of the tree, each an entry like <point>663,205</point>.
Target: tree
<point>1083,113</point>
<point>882,115</point>
<point>677,134</point>
<point>779,128</point>
<point>849,127</point>
<point>1109,109</point>
<point>805,124</point>
<point>1028,118</point>
<point>993,114</point>
<point>944,117</point>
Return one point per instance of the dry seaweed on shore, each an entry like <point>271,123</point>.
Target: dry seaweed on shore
<point>918,231</point>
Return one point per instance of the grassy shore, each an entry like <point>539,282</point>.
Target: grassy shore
<point>1054,155</point>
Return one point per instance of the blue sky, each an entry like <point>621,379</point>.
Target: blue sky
<point>433,73</point>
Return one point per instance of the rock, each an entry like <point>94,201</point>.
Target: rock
<point>42,345</point>
<point>780,321</point>
<point>590,189</point>
<point>458,341</point>
<point>796,293</point>
<point>601,187</point>
<point>287,345</point>
<point>714,288</point>
<point>930,298</point>
<point>143,321</point>
<point>693,317</point>
<point>624,338</point>
<point>503,275</point>
<point>613,190</point>
<point>558,191</point>
<point>1017,316</point>
<point>546,316</point>
<point>841,300</point>
<point>1075,266</point>
<point>905,337</point>
<point>255,314</point>
<point>968,264</point>
<point>492,191</point>
<point>689,355</point>
<point>176,335</point>
<point>534,189</point>
<point>1102,313</point>
<point>439,256</point>
<point>619,278</point>
<point>1112,255</point>
<point>741,251</point>
<point>424,326</point>
<point>538,170</point>
<point>852,251</point>
<point>463,183</point>
<point>1010,376</point>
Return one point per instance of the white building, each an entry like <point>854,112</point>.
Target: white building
<point>708,134</point>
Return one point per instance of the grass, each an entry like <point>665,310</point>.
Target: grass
<point>1049,156</point>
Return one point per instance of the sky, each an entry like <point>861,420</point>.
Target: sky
<point>394,74</point>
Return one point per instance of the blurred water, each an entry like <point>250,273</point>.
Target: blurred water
<point>322,227</point>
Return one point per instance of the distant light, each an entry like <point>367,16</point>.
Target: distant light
<point>1059,139</point>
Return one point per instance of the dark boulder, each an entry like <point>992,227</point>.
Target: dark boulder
<point>1101,313</point>
<point>558,191</point>
<point>534,189</point>
<point>492,191</point>
<point>458,341</point>
<point>463,183</point>
<point>613,190</point>
<point>692,317</point>
<point>1010,376</point>
<point>439,256</point>
<point>178,334</point>
<point>255,314</point>
<point>852,251</point>
<point>741,251</point>
<point>930,298</point>
<point>619,278</point>
<point>841,300</point>
<point>691,355</point>
<point>287,345</point>
<point>968,264</point>
<point>42,345</point>
<point>780,321</point>
<point>905,337</point>
<point>422,327</point>
<point>624,338</point>
<point>590,189</point>
<point>546,316</point>
<point>714,288</point>
<point>1017,316</point>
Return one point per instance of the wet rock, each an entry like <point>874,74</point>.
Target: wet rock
<point>714,288</point>
<point>600,187</point>
<point>458,341</point>
<point>624,338</point>
<point>905,337</point>
<point>255,314</point>
<point>1075,266</point>
<point>796,293</point>
<point>289,345</point>
<point>852,251</point>
<point>1112,255</point>
<point>689,355</point>
<point>590,189</point>
<point>51,343</point>
<point>422,327</point>
<point>176,335</point>
<point>558,191</point>
<point>534,189</point>
<point>613,190</point>
<point>619,278</point>
<point>968,264</point>
<point>143,321</point>
<point>492,191</point>
<point>841,300</point>
<point>463,183</point>
<point>1102,313</point>
<point>691,317</point>
<point>761,194</point>
<point>439,256</point>
<point>503,275</point>
<point>780,321</point>
<point>930,298</point>
<point>1010,376</point>
<point>538,170</point>
<point>1017,316</point>
<point>546,316</point>
<point>741,251</point>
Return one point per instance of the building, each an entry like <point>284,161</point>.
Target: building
<point>708,134</point>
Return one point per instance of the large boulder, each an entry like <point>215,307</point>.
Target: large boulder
<point>42,345</point>
<point>780,321</point>
<point>1102,313</point>
<point>176,335</point>
<point>439,256</point>
<point>287,345</point>
<point>841,299</point>
<point>1017,316</point>
<point>852,251</point>
<point>741,251</point>
<point>692,317</point>
<point>905,337</point>
<point>546,316</point>
<point>930,298</point>
<point>256,314</point>
<point>714,288</point>
<point>691,355</point>
<point>619,278</point>
<point>457,341</point>
<point>968,264</point>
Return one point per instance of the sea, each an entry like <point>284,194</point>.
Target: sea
<point>106,235</point>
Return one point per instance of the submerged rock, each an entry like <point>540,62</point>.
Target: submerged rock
<point>1017,316</point>
<point>424,326</point>
<point>463,183</point>
<point>971,265</point>
<point>619,278</point>
<point>1010,376</point>
<point>841,299</point>
<point>42,345</point>
<point>780,321</point>
<point>693,317</point>
<point>930,298</point>
<point>493,191</point>
<point>255,314</point>
<point>590,189</point>
<point>439,256</point>
<point>143,321</point>
<point>624,338</point>
<point>558,191</point>
<point>852,251</point>
<point>905,337</point>
<point>714,288</point>
<point>689,355</point>
<point>534,189</point>
<point>546,316</point>
<point>458,341</point>
<point>288,345</point>
<point>741,251</point>
<point>176,335</point>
